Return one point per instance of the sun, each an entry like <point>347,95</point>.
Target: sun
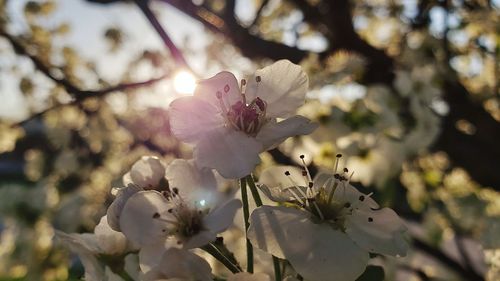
<point>184,82</point>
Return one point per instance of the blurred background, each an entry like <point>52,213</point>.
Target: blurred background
<point>407,91</point>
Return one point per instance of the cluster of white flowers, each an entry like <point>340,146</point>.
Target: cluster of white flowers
<point>324,227</point>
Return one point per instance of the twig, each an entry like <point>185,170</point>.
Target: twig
<point>176,53</point>
<point>258,14</point>
<point>469,274</point>
<point>77,93</point>
<point>81,95</point>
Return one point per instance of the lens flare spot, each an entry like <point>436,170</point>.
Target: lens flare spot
<point>184,82</point>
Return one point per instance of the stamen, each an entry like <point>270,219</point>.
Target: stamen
<point>242,90</point>
<point>305,168</point>
<point>330,195</point>
<point>287,174</point>
<point>350,177</point>
<point>338,156</point>
<point>295,196</point>
<point>319,211</point>
<point>175,223</point>
<point>222,103</point>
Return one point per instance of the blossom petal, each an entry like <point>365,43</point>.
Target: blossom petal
<point>273,133</point>
<point>147,172</point>
<point>279,187</point>
<point>269,229</point>
<point>177,263</point>
<point>143,218</point>
<point>150,255</point>
<point>191,118</point>
<point>380,231</point>
<point>232,153</point>
<point>283,85</point>
<point>200,239</point>
<point>316,251</point>
<point>223,82</point>
<point>345,192</point>
<point>222,218</point>
<point>115,209</point>
<point>195,185</point>
<point>94,270</point>
<point>110,241</point>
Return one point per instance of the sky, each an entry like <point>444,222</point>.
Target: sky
<point>88,22</point>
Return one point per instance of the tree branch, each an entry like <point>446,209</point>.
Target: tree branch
<point>174,51</point>
<point>468,274</point>
<point>77,93</point>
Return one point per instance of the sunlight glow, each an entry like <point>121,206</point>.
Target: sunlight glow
<point>184,82</point>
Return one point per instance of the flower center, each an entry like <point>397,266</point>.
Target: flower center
<point>319,200</point>
<point>243,116</point>
<point>183,220</point>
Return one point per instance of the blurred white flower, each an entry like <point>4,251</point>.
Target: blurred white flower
<point>104,241</point>
<point>147,173</point>
<point>331,228</point>
<point>187,215</point>
<point>230,126</point>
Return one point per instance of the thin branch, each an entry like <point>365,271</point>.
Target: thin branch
<point>469,274</point>
<point>77,93</point>
<point>81,95</point>
<point>463,252</point>
<point>251,46</point>
<point>258,14</point>
<point>176,53</point>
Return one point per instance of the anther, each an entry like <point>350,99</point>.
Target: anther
<point>338,156</point>
<point>219,95</point>
<point>175,190</point>
<point>347,205</point>
<point>302,156</point>
<point>346,170</point>
<point>258,79</point>
<point>361,198</point>
<point>156,215</point>
<point>287,173</point>
<point>226,88</point>
<point>370,219</point>
<point>260,104</point>
<point>311,184</point>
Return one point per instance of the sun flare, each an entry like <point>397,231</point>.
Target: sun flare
<point>184,82</point>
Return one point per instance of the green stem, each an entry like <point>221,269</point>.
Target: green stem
<point>214,251</point>
<point>277,270</point>
<point>246,215</point>
<point>125,276</point>
<point>258,203</point>
<point>253,189</point>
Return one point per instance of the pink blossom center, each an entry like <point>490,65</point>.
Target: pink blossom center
<point>243,116</point>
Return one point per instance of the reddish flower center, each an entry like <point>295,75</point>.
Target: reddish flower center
<point>243,116</point>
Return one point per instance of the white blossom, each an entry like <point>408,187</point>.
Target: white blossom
<point>88,246</point>
<point>331,228</point>
<point>187,215</point>
<point>230,125</point>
